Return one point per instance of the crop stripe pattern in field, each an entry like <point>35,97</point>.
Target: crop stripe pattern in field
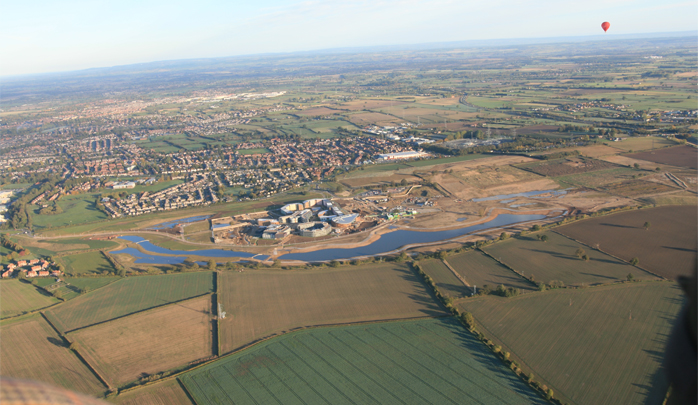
<point>426,361</point>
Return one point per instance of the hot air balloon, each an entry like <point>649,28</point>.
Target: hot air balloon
<point>605,25</point>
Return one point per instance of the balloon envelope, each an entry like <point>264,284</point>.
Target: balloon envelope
<point>605,26</point>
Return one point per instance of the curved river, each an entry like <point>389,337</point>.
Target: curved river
<point>385,243</point>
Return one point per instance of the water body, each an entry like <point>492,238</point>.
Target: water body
<point>171,224</point>
<point>461,219</point>
<point>526,194</point>
<point>394,240</point>
<point>149,247</point>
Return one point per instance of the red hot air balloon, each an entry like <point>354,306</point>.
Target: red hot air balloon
<point>605,25</point>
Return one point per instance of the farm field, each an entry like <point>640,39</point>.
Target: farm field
<point>149,342</point>
<point>564,167</point>
<point>684,156</point>
<point>642,143</point>
<point>426,361</point>
<point>583,343</point>
<point>31,349</point>
<point>17,297</point>
<point>667,248</point>
<point>127,296</point>
<point>445,280</point>
<point>479,270</point>
<point>637,188</point>
<point>89,262</point>
<point>600,178</point>
<point>168,392</point>
<point>263,302</point>
<point>555,259</point>
<point>51,247</point>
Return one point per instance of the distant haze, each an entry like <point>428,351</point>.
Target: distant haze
<point>49,36</point>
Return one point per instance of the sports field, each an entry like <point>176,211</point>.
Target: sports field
<point>127,296</point>
<point>89,262</point>
<point>32,350</point>
<point>17,297</point>
<point>148,342</point>
<point>263,302</point>
<point>77,209</point>
<point>479,270</point>
<point>168,392</point>
<point>432,361</point>
<point>556,259</point>
<point>600,345</point>
<point>446,281</point>
<point>667,248</point>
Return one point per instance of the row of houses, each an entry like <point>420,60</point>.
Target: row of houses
<point>31,268</point>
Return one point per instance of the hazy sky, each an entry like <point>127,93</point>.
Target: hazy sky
<point>47,36</point>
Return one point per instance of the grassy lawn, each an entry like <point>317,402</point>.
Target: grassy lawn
<point>89,262</point>
<point>253,151</point>
<point>77,209</point>
<point>17,297</point>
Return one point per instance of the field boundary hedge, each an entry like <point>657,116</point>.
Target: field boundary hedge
<point>138,312</point>
<point>77,353</point>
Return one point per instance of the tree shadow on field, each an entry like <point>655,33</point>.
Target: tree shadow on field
<point>56,342</point>
<point>679,249</point>
<point>620,226</point>
<point>599,276</point>
<point>489,361</point>
<point>655,388</point>
<point>181,306</point>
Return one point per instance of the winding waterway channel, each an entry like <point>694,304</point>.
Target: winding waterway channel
<point>385,243</point>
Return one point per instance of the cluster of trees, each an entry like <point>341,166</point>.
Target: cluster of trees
<point>52,209</point>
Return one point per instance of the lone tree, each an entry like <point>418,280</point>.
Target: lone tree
<point>634,261</point>
<point>647,225</point>
<point>631,277</point>
<point>544,238</point>
<point>580,253</point>
<point>535,227</point>
<point>503,236</point>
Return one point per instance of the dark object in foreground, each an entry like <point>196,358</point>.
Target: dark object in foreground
<point>681,356</point>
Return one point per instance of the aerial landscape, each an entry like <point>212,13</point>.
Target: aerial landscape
<point>454,222</point>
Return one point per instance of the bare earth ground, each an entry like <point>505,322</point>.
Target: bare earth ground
<point>149,342</point>
<point>262,303</point>
<point>168,392</point>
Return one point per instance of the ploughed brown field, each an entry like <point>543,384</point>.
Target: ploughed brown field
<point>667,248</point>
<point>261,303</point>
<point>684,156</point>
<point>149,342</point>
<point>32,350</point>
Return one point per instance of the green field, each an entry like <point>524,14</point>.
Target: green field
<point>89,262</point>
<point>77,209</point>
<point>431,162</point>
<point>479,270</point>
<point>17,297</point>
<point>592,346</point>
<point>431,361</point>
<point>127,296</point>
<point>91,244</point>
<point>598,178</point>
<point>70,288</point>
<point>556,260</point>
<point>253,151</point>
<point>262,303</point>
<point>446,281</point>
